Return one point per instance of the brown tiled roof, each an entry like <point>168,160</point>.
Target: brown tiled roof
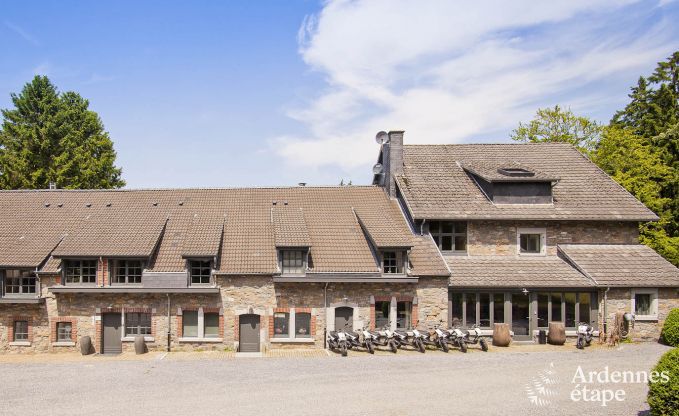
<point>385,229</point>
<point>512,271</point>
<point>175,221</point>
<point>622,265</point>
<point>289,227</point>
<point>204,236</point>
<point>436,186</point>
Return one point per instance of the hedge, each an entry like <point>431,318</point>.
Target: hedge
<point>670,330</point>
<point>664,397</point>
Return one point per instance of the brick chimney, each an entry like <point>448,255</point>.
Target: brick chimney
<point>393,161</point>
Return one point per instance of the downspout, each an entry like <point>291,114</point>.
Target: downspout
<point>605,314</point>
<point>325,308</point>
<point>422,227</point>
<point>169,326</point>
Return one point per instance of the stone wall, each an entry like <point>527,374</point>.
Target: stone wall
<point>620,300</point>
<point>499,237</point>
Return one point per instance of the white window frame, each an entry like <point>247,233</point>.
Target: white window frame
<point>654,304</point>
<point>201,328</point>
<point>543,240</point>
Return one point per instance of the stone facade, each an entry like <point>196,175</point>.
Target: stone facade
<point>498,238</point>
<point>620,300</point>
<point>237,295</point>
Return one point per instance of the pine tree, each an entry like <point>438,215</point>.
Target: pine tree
<point>49,137</point>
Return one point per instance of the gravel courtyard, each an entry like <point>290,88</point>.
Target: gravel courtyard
<point>516,381</point>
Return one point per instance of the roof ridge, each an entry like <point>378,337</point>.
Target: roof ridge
<point>186,189</point>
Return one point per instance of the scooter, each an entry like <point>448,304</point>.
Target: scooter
<point>337,340</point>
<point>437,338</point>
<point>473,336</point>
<point>584,335</point>
<point>366,339</point>
<point>386,338</point>
<point>414,337</point>
<point>457,339</point>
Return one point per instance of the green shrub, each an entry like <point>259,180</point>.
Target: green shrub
<point>670,330</point>
<point>664,397</point>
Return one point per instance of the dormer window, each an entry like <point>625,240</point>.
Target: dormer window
<point>393,262</point>
<point>531,241</point>
<point>80,271</point>
<point>449,236</point>
<point>293,261</point>
<point>127,272</point>
<point>200,271</point>
<point>19,282</point>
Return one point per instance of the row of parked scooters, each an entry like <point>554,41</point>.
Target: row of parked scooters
<point>343,340</point>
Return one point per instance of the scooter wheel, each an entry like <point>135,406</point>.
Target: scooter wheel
<point>343,349</point>
<point>463,346</point>
<point>484,344</point>
<point>420,346</point>
<point>444,346</point>
<point>393,347</point>
<point>579,345</point>
<point>370,347</point>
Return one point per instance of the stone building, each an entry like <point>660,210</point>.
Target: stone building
<point>532,233</point>
<point>459,234</point>
<point>243,269</point>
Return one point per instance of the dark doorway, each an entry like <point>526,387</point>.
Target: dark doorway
<point>248,333</point>
<point>112,334</point>
<point>521,317</point>
<point>344,318</point>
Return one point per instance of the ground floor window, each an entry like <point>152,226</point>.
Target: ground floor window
<point>482,309</point>
<point>302,325</point>
<point>20,331</point>
<point>64,331</point>
<point>201,323</point>
<point>281,325</point>
<point>137,323</point>
<point>292,323</point>
<point>382,309</point>
<point>190,324</point>
<point>404,315</point>
<point>567,307</point>
<point>645,303</point>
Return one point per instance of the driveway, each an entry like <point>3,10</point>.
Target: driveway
<point>510,382</point>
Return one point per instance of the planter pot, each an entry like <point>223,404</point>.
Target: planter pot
<point>557,333</point>
<point>85,345</point>
<point>139,344</point>
<point>501,335</point>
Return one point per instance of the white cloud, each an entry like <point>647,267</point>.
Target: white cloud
<point>22,33</point>
<point>449,71</point>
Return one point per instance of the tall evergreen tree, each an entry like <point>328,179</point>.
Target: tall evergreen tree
<point>51,137</point>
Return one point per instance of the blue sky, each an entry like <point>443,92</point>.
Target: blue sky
<point>274,93</point>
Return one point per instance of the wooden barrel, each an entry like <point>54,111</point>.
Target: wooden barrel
<point>501,336</point>
<point>557,333</point>
<point>85,345</point>
<point>139,345</point>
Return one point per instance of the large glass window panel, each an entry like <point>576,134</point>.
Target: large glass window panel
<point>64,331</point>
<point>211,325</point>
<point>530,243</point>
<point>556,307</point>
<point>498,308</point>
<point>456,309</point>
<point>470,309</point>
<point>382,314</point>
<point>484,314</point>
<point>569,300</point>
<point>281,325</point>
<point>585,305</point>
<point>403,315</point>
<point>190,324</point>
<point>543,309</point>
<point>302,325</point>
<point>642,304</point>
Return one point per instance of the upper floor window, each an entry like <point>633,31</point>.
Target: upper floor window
<point>127,271</point>
<point>200,271</point>
<point>531,240</point>
<point>293,261</point>
<point>20,282</point>
<point>81,271</point>
<point>449,235</point>
<point>393,262</point>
